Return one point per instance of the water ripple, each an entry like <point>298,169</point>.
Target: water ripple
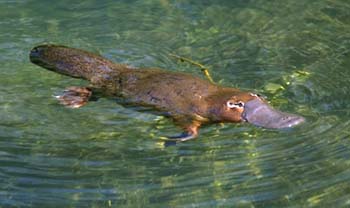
<point>296,54</point>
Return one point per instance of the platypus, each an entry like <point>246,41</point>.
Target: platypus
<point>189,100</point>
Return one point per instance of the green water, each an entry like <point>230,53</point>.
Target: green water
<point>294,52</point>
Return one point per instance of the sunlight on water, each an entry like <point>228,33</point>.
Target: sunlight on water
<point>294,53</point>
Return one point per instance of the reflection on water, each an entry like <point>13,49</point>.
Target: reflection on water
<point>295,53</point>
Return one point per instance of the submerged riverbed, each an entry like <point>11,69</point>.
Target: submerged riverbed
<point>295,53</point>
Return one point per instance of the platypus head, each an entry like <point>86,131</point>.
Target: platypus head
<point>249,107</point>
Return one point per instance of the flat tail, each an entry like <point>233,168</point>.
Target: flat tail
<point>73,62</point>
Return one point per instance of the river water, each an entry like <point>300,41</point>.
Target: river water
<point>293,52</point>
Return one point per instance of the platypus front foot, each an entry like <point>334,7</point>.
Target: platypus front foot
<point>173,140</point>
<point>191,132</point>
<point>185,136</point>
<point>74,97</point>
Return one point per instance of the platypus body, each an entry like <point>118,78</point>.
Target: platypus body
<point>188,100</point>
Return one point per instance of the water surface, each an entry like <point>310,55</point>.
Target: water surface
<point>296,53</point>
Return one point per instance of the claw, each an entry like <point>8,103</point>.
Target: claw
<point>74,97</point>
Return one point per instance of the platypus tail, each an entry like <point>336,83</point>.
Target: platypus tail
<point>73,62</point>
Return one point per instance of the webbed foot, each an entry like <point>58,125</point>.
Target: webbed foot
<point>185,136</point>
<point>75,97</point>
<point>191,132</point>
<point>173,140</point>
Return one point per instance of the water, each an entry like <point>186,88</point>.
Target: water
<point>296,53</point>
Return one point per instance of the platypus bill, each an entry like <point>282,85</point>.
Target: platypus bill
<point>188,100</point>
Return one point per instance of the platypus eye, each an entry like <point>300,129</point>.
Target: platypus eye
<point>232,104</point>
